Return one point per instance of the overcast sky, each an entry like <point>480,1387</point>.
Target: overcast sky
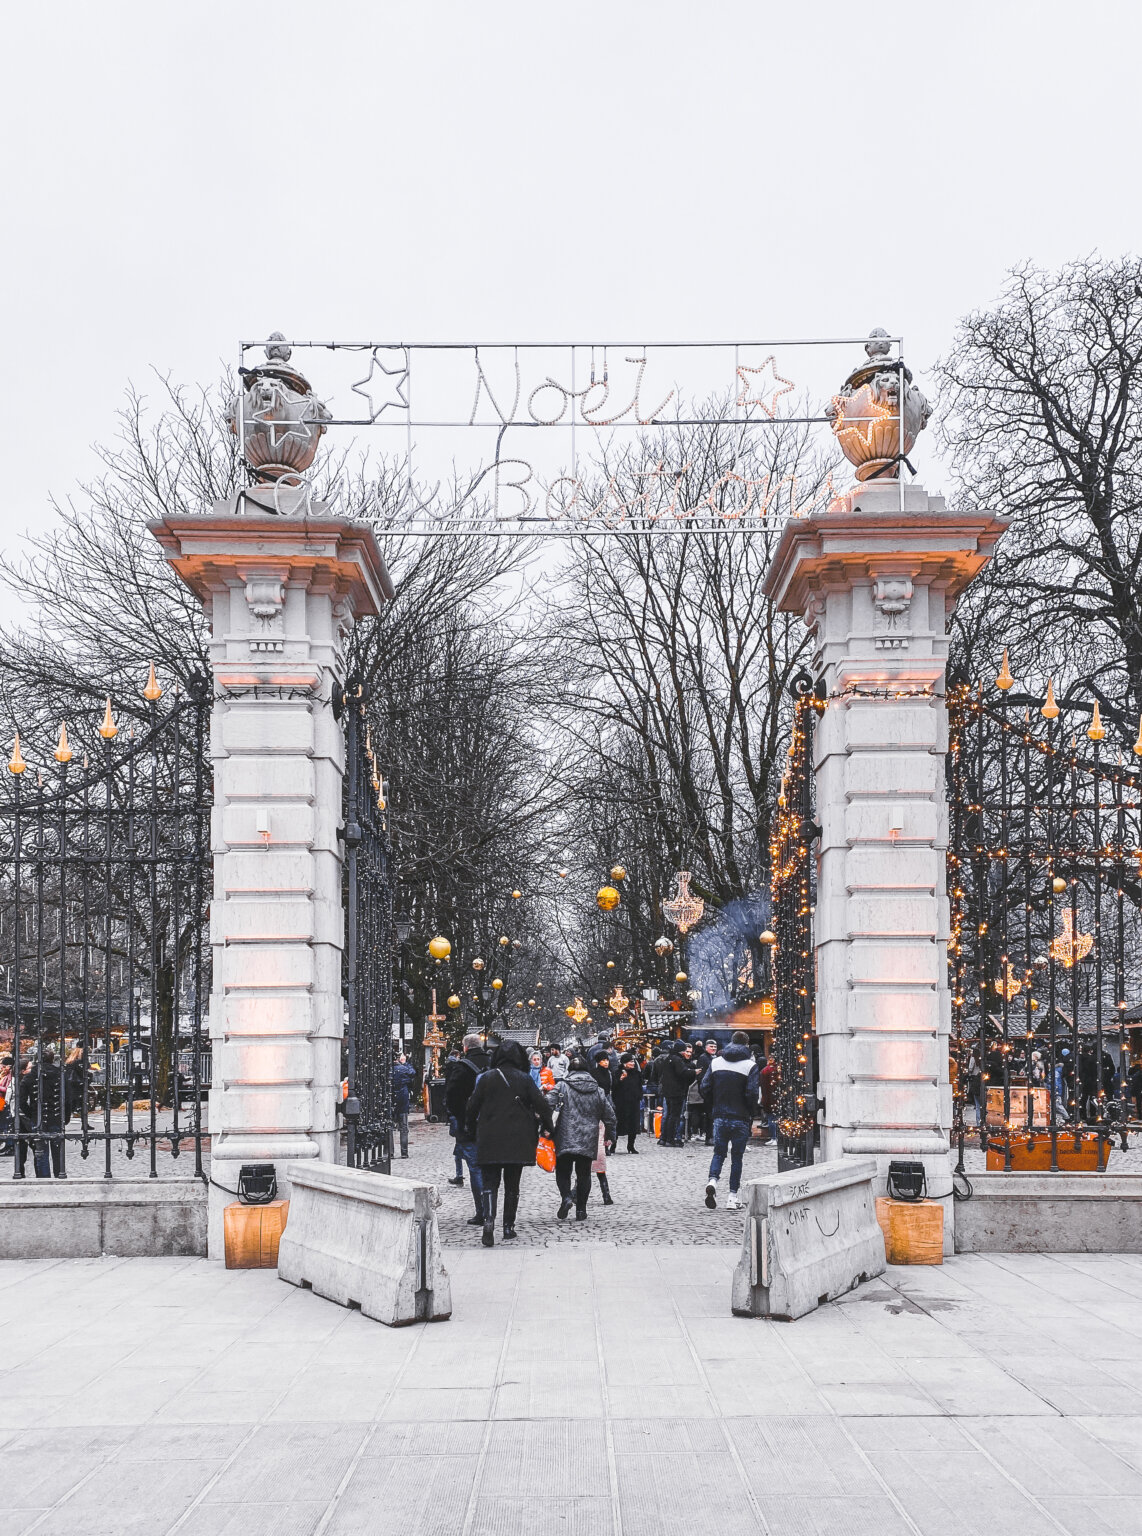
<point>179,176</point>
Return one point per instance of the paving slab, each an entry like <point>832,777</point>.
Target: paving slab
<point>592,1380</point>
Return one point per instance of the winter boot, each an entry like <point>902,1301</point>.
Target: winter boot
<point>606,1188</point>
<point>511,1202</point>
<point>580,1213</point>
<point>631,1146</point>
<point>564,1208</point>
<point>490,1198</point>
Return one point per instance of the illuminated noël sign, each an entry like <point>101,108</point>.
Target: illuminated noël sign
<point>569,438</point>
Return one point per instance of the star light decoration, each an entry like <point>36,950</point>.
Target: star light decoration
<point>684,909</point>
<point>400,373</point>
<point>1071,946</point>
<point>782,386</point>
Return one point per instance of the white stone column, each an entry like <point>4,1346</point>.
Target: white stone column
<point>877,586</point>
<point>281,594</point>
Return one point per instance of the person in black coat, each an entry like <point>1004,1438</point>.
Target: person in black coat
<point>504,1115</point>
<point>628,1099</point>
<point>460,1084</point>
<point>602,1071</point>
<point>676,1074</point>
<point>42,1112</point>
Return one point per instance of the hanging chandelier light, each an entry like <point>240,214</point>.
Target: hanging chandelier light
<point>1071,946</point>
<point>684,909</point>
<point>618,1002</point>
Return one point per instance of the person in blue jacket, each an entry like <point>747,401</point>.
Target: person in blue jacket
<point>404,1081</point>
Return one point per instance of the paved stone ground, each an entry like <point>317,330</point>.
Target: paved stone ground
<point>658,1195</point>
<point>596,1391</point>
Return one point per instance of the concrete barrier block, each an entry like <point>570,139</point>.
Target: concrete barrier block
<point>810,1236</point>
<point>366,1240</point>
<point>1051,1213</point>
<point>77,1218</point>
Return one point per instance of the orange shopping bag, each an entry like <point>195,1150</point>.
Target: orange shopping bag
<point>545,1154</point>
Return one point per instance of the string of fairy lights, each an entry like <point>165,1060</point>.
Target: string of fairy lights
<point>793,963</point>
<point>1044,859</point>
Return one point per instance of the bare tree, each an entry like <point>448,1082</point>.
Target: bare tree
<point>669,676</point>
<point>447,677</point>
<point>1043,418</point>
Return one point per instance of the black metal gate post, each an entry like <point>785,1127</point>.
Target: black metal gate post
<point>369,949</point>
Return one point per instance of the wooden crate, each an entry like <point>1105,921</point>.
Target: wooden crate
<point>1035,1102</point>
<point>1032,1153</point>
<point>913,1230</point>
<point>252,1234</point>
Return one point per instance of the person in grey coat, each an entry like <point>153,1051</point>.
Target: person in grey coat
<point>581,1105</point>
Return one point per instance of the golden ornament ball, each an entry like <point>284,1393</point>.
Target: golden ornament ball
<point>516,895</point>
<point>607,898</point>
<point>1058,885</point>
<point>477,964</point>
<point>497,984</point>
<point>768,937</point>
<point>453,1001</point>
<point>570,1010</point>
<point>663,946</point>
<point>618,872</point>
<point>439,947</point>
<point>504,941</point>
<point>531,1002</point>
<point>681,977</point>
<point>610,965</point>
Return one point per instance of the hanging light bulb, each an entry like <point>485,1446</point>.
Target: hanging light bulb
<point>1097,730</point>
<point>1050,709</point>
<point>1005,680</point>
<point>16,763</point>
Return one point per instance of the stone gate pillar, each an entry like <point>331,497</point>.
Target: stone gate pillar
<point>282,585</point>
<point>876,582</point>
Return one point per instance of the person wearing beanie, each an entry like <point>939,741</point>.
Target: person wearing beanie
<point>730,1088</point>
<point>675,1075</point>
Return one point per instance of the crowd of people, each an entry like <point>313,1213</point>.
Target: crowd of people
<point>37,1099</point>
<point>1079,1083</point>
<point>503,1107</point>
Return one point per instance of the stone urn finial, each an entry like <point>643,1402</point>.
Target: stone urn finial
<point>282,420</point>
<point>866,415</point>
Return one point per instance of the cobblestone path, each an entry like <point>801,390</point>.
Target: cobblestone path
<point>658,1196</point>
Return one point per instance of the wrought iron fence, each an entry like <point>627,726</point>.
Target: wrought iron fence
<point>1044,888</point>
<point>369,950</point>
<point>792,884</point>
<point>104,881</point>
